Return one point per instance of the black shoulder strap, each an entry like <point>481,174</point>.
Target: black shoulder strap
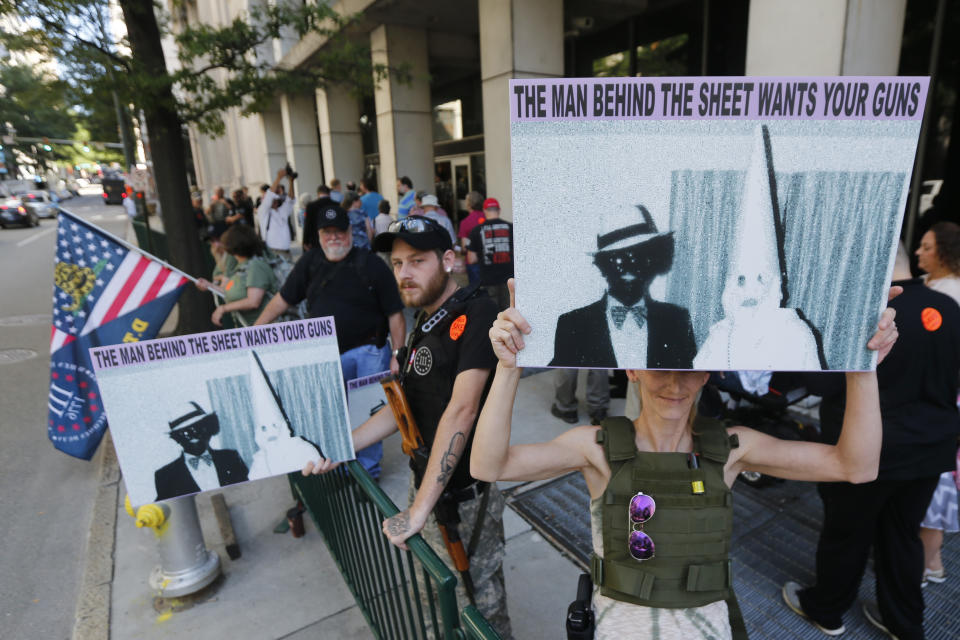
<point>618,439</point>
<point>443,313</point>
<point>463,294</point>
<point>359,258</point>
<point>329,270</point>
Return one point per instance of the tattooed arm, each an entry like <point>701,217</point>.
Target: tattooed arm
<point>448,445</point>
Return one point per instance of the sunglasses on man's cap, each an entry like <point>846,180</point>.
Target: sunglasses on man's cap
<point>417,231</point>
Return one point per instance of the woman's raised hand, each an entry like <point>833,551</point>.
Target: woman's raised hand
<point>506,334</point>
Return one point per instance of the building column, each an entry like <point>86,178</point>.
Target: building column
<point>274,153</point>
<point>824,37</point>
<point>518,39</point>
<point>404,117</point>
<point>301,143</point>
<point>341,144</point>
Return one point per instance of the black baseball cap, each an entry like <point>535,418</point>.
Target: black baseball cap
<point>418,231</point>
<point>333,216</point>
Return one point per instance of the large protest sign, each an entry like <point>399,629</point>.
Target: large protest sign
<point>197,412</point>
<point>708,223</point>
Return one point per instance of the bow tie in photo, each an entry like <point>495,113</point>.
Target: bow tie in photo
<point>194,461</point>
<point>619,315</point>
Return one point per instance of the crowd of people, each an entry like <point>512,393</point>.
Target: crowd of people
<point>660,485</point>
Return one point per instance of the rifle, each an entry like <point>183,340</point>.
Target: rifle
<point>412,444</point>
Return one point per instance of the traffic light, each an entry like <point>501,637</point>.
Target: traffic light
<point>47,147</point>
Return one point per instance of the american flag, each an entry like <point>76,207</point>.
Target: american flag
<point>103,293</point>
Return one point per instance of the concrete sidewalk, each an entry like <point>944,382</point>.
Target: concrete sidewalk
<point>283,587</point>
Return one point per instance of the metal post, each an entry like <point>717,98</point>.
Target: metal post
<point>186,565</point>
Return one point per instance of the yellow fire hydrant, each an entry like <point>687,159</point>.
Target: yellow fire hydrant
<point>151,515</point>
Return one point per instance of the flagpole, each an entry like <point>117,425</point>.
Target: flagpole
<point>133,247</point>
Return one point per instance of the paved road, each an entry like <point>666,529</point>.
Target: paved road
<point>45,495</point>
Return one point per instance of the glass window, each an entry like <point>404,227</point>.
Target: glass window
<point>478,177</point>
<point>462,176</point>
<point>667,57</point>
<point>611,66</point>
<point>448,121</point>
<point>443,182</point>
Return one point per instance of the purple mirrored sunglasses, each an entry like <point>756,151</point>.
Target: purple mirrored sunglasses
<point>642,508</point>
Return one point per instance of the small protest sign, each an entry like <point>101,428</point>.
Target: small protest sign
<point>197,412</point>
<point>365,397</point>
<point>708,223</point>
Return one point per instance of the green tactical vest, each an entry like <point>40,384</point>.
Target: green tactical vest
<point>691,531</point>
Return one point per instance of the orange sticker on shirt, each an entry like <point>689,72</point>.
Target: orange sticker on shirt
<point>456,329</point>
<point>931,319</point>
<point>229,285</point>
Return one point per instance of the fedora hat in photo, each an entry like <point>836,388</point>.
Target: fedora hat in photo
<point>625,228</point>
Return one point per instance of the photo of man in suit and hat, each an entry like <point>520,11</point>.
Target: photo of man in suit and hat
<point>626,324</point>
<point>199,467</point>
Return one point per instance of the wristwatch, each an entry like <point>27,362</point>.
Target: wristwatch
<point>396,352</point>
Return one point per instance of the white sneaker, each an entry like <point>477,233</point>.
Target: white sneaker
<point>792,599</point>
<point>937,577</point>
<point>872,612</point>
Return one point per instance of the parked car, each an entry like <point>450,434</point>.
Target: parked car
<point>13,211</point>
<point>41,203</point>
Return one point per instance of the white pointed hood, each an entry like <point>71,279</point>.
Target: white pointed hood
<point>753,277</point>
<point>269,422</point>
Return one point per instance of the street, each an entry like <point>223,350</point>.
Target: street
<point>46,495</point>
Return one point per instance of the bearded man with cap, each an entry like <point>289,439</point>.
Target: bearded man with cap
<point>198,468</point>
<point>447,366</point>
<point>355,287</point>
<point>626,326</point>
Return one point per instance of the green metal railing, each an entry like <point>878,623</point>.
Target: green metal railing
<point>475,626</point>
<point>152,241</point>
<point>348,509</point>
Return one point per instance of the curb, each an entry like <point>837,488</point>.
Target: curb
<point>92,615</point>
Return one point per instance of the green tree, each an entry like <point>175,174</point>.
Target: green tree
<point>36,107</point>
<point>219,69</point>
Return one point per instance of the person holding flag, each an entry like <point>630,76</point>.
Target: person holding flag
<point>105,291</point>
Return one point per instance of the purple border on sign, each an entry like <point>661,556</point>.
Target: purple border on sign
<point>719,98</point>
<point>130,354</point>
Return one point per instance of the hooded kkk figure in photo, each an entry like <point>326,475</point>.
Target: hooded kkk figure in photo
<point>626,326</point>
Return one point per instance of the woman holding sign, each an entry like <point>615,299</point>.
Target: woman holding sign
<point>661,508</point>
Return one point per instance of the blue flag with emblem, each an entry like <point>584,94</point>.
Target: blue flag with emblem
<point>104,292</point>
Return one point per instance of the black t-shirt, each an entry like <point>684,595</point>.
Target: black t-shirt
<point>359,292</point>
<point>244,206</point>
<point>492,241</point>
<point>918,388</point>
<point>310,214</point>
<point>457,344</point>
